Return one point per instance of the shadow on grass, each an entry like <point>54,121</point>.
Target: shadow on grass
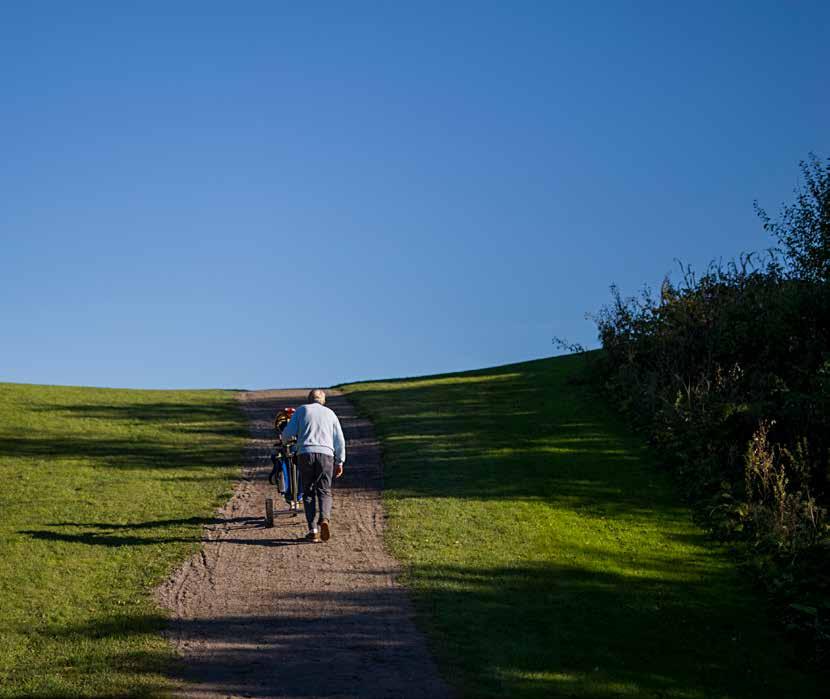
<point>597,633</point>
<point>661,622</point>
<point>121,534</point>
<point>521,432</point>
<point>580,633</point>
<point>176,416</point>
<point>147,435</point>
<point>159,523</point>
<point>123,453</point>
<point>97,539</point>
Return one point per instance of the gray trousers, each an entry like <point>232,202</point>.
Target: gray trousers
<point>316,471</point>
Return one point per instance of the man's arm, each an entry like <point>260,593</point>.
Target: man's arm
<point>339,448</point>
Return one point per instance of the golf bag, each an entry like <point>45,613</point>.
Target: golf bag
<point>285,474</point>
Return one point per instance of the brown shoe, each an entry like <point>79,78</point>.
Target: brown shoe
<point>325,530</point>
<point>313,537</point>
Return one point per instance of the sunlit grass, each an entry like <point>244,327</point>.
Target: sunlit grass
<point>547,552</point>
<point>103,493</point>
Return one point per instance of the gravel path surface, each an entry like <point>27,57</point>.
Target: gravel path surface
<point>260,613</point>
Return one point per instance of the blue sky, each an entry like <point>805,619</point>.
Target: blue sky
<point>264,194</point>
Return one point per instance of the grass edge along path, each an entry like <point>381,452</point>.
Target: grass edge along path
<point>547,553</point>
<point>104,492</point>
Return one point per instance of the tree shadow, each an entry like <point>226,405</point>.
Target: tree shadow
<point>188,417</point>
<point>121,453</point>
<point>665,632</point>
<point>520,432</point>
<point>584,633</point>
<point>113,451</point>
<point>649,623</point>
<point>118,534</point>
<point>159,523</point>
<point>97,539</point>
<point>131,434</point>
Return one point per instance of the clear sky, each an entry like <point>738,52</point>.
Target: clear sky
<point>263,194</point>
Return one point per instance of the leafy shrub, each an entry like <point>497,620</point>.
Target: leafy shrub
<point>780,510</point>
<point>804,228</point>
<point>729,372</point>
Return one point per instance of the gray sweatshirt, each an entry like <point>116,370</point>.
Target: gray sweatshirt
<point>317,430</point>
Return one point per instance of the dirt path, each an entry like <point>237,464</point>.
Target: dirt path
<point>260,613</point>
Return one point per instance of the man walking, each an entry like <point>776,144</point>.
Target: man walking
<point>321,453</point>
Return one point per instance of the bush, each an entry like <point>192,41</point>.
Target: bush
<point>780,510</point>
<point>729,373</point>
<point>804,228</point>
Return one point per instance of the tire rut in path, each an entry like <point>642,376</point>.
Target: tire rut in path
<point>260,613</point>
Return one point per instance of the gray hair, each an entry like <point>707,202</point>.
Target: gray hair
<point>318,395</point>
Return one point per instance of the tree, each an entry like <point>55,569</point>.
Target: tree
<point>803,230</point>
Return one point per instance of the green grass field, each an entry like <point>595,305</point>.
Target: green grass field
<point>103,493</point>
<point>549,555</point>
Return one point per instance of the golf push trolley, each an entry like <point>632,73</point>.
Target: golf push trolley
<point>284,475</point>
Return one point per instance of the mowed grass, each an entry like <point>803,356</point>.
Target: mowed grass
<point>549,555</point>
<point>102,493</point>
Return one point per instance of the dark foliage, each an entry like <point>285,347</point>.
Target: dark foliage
<point>804,228</point>
<point>729,373</point>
